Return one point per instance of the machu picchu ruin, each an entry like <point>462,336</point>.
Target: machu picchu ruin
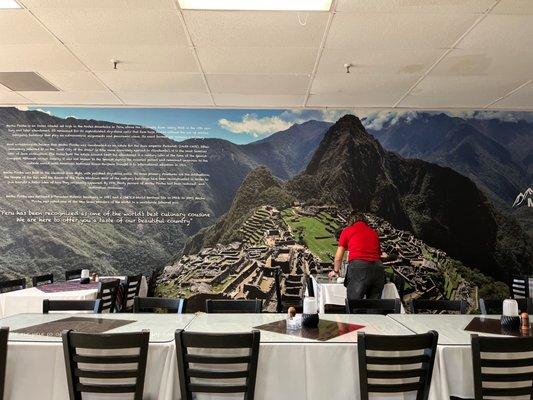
<point>302,240</point>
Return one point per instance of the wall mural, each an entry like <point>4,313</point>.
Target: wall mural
<point>214,199</point>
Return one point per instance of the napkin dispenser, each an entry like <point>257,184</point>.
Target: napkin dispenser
<point>510,319</point>
<point>310,313</point>
<point>85,276</point>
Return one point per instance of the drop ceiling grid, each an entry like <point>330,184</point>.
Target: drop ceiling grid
<point>209,39</point>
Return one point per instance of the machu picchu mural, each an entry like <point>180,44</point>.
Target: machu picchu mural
<point>208,202</point>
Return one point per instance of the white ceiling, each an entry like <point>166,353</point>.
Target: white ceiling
<point>405,54</point>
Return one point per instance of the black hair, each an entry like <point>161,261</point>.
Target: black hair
<point>356,216</point>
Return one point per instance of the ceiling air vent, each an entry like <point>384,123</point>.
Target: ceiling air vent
<point>25,82</point>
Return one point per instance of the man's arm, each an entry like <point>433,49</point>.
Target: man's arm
<point>339,255</point>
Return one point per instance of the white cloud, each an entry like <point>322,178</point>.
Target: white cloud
<point>22,108</point>
<point>253,125</point>
<point>379,119</point>
<point>43,111</point>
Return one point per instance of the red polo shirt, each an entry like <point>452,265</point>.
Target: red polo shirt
<point>361,241</point>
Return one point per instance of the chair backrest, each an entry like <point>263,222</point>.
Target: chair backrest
<point>4,333</point>
<point>132,285</point>
<point>42,280</point>
<point>72,274</point>
<point>152,304</point>
<point>12,285</point>
<point>107,292</point>
<point>80,378</point>
<point>223,379</point>
<point>371,306</point>
<point>233,306</point>
<point>520,287</point>
<point>283,305</point>
<point>513,375</point>
<point>415,354</point>
<point>72,305</point>
<point>439,306</point>
<point>309,286</point>
<point>495,307</point>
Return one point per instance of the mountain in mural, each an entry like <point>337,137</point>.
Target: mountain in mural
<point>351,170</point>
<point>287,153</point>
<point>42,247</point>
<point>494,153</point>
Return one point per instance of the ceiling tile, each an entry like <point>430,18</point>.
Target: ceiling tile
<point>519,7</point>
<point>37,57</point>
<point>114,25</point>
<point>133,57</point>
<point>261,60</point>
<point>19,27</point>
<point>261,100</point>
<point>502,32</point>
<point>355,90</point>
<point>8,97</point>
<point>255,28</point>
<point>258,84</point>
<point>74,81</point>
<point>486,62</point>
<point>415,6</point>
<point>396,31</point>
<point>72,98</point>
<point>458,92</point>
<point>132,81</point>
<point>378,61</point>
<point>99,4</point>
<point>522,99</point>
<point>165,98</point>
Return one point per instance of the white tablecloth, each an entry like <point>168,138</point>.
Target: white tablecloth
<point>296,368</point>
<point>36,368</point>
<point>290,367</point>
<point>335,293</point>
<point>30,300</point>
<point>452,374</point>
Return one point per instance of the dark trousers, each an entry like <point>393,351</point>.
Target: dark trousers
<point>364,278</point>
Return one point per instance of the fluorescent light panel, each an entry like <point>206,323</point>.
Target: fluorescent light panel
<point>257,5</point>
<point>9,4</point>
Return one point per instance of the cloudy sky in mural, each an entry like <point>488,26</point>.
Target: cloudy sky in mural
<point>244,125</point>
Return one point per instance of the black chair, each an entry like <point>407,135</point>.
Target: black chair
<point>402,353</point>
<point>309,286</point>
<point>495,307</point>
<point>80,378</point>
<point>512,382</point>
<point>4,334</point>
<point>72,305</point>
<point>520,287</point>
<point>130,290</point>
<point>153,304</point>
<point>72,274</point>
<point>12,285</point>
<point>371,306</point>
<point>233,306</point>
<point>439,306</point>
<point>334,309</point>
<point>212,380</point>
<point>107,292</point>
<point>42,280</point>
<point>283,305</point>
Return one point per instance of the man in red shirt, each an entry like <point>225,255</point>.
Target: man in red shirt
<point>365,274</point>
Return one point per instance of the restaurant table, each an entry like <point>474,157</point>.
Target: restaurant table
<point>30,300</point>
<point>452,374</point>
<point>332,291</point>
<point>299,368</point>
<point>36,367</point>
